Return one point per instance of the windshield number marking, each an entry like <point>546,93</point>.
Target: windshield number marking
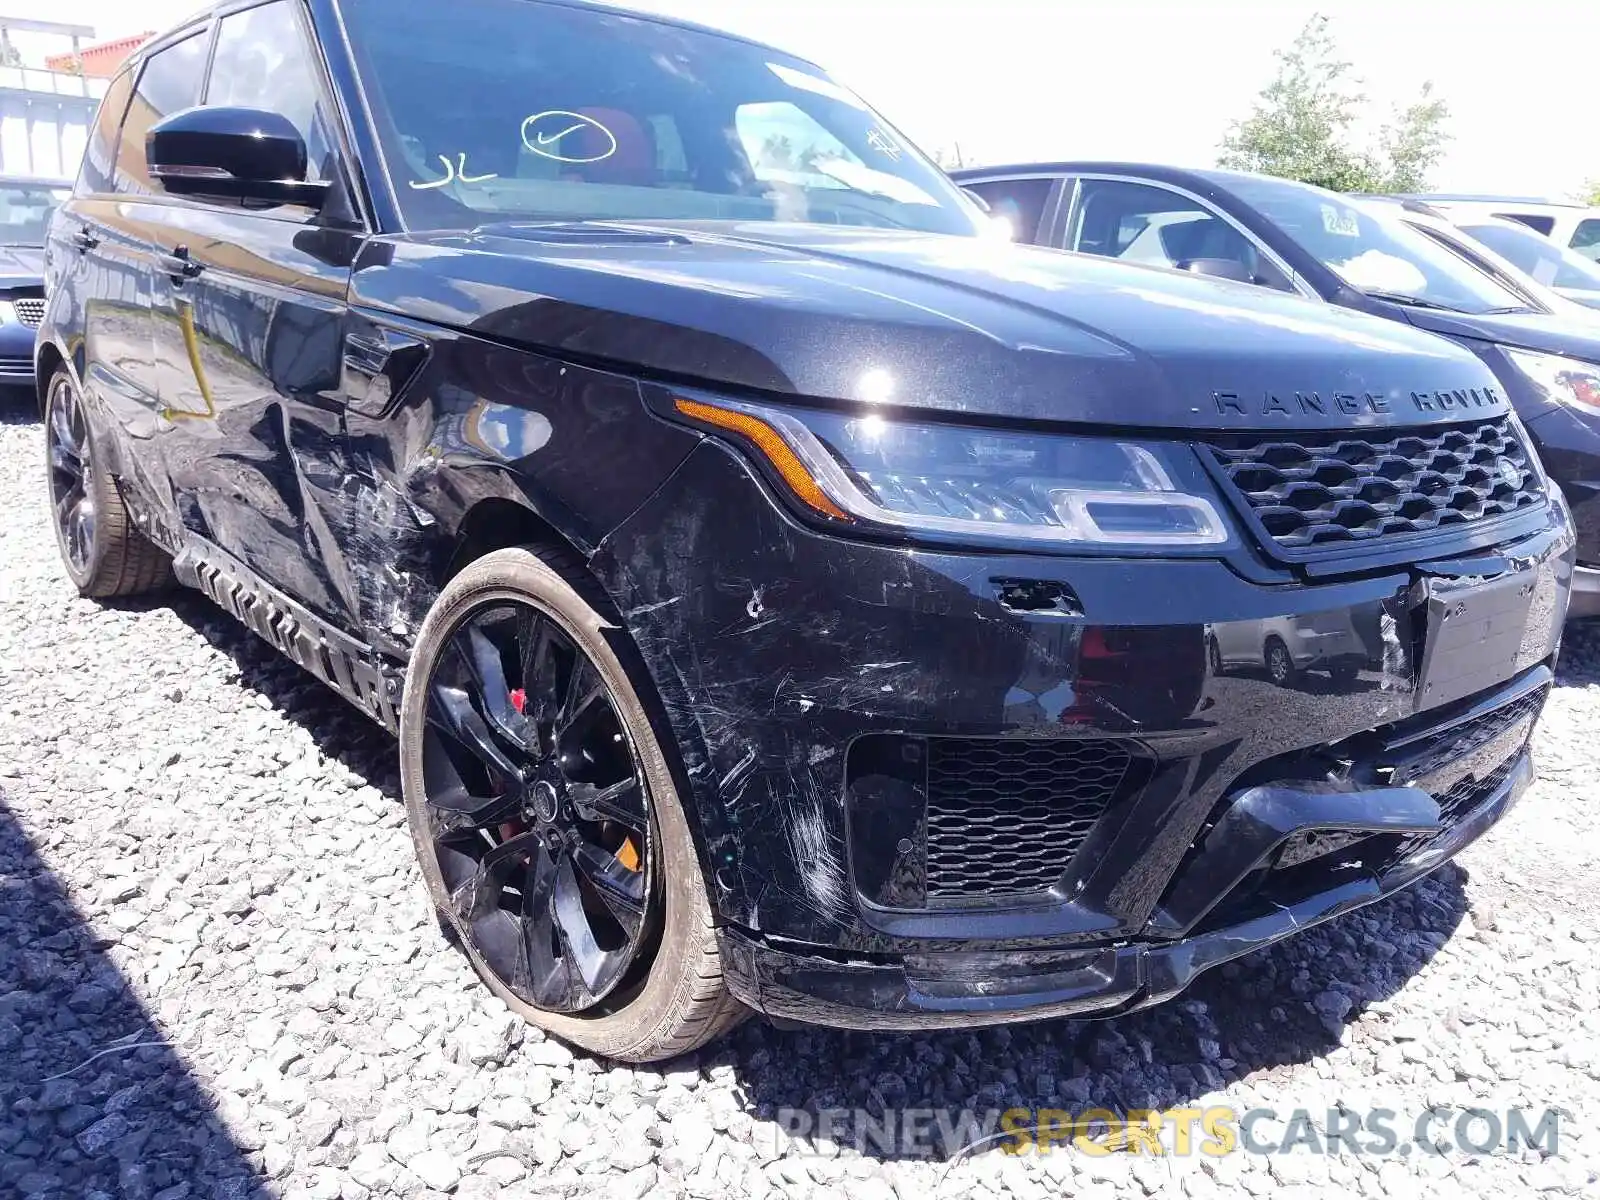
<point>453,172</point>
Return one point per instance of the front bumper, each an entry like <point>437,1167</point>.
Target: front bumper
<point>16,354</point>
<point>884,750</point>
<point>970,988</point>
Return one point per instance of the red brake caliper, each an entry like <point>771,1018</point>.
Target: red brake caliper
<point>519,701</point>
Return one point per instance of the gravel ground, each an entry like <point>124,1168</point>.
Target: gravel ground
<point>218,976</point>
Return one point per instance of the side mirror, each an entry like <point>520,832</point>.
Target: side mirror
<point>237,154</point>
<point>1217,268</point>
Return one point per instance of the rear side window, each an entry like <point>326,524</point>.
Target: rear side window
<point>1143,223</point>
<point>787,145</point>
<point>1543,224</point>
<point>100,155</point>
<point>169,82</point>
<point>1020,201</point>
<point>262,61</point>
<point>1586,239</point>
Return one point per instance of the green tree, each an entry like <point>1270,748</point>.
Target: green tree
<point>1302,123</point>
<point>1589,193</point>
<point>1413,143</point>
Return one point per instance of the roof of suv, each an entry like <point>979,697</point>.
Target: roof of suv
<point>223,6</point>
<point>1143,170</point>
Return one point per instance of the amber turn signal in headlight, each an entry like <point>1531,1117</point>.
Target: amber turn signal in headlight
<point>968,483</point>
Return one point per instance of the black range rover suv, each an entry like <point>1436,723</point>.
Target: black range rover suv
<point>784,596</point>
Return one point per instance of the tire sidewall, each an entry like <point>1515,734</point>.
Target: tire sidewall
<point>519,575</point>
<point>94,482</point>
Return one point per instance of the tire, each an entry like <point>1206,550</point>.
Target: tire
<point>102,549</point>
<point>1280,663</point>
<point>1214,657</point>
<point>673,998</point>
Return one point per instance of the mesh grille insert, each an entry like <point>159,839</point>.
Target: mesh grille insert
<point>29,312</point>
<point>1006,817</point>
<point>1333,489</point>
<point>1461,741</point>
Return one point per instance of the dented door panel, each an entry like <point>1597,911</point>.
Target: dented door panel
<point>249,343</point>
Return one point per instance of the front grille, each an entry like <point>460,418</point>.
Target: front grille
<point>1005,817</point>
<point>29,312</point>
<point>11,364</point>
<point>1329,490</point>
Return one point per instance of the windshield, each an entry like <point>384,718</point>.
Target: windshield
<point>25,210</point>
<point>1373,251</point>
<point>1552,265</point>
<point>493,110</point>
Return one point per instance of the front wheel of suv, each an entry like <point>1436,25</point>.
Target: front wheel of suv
<point>546,820</point>
<point>103,551</point>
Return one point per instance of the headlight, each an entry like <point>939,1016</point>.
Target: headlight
<point>1569,380</point>
<point>8,313</point>
<point>963,482</point>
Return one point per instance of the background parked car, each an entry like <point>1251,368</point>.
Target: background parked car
<point>1295,238</point>
<point>1575,226</point>
<point>1285,646</point>
<point>26,205</point>
<point>1559,268</point>
<point>1548,259</point>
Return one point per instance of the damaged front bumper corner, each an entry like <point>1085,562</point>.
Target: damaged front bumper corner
<point>962,988</point>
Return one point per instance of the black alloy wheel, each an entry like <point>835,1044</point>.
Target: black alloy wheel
<point>72,492</point>
<point>538,811</point>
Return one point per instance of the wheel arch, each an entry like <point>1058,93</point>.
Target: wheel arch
<point>499,523</point>
<point>46,362</point>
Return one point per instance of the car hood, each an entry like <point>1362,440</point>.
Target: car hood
<point>954,324</point>
<point>21,265</point>
<point>1574,337</point>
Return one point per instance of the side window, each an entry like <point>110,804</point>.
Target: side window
<point>1020,201</point>
<point>1141,223</point>
<point>169,82</point>
<point>787,145</point>
<point>100,155</point>
<point>1544,225</point>
<point>262,61</point>
<point>1586,239</point>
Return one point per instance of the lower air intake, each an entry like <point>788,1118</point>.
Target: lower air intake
<point>1006,817</point>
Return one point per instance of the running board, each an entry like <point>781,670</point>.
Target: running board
<point>349,667</point>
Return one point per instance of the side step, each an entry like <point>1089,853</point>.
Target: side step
<point>348,666</point>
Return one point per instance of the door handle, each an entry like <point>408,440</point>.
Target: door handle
<point>178,265</point>
<point>84,240</point>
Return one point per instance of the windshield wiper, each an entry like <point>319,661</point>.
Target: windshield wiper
<point>1409,300</point>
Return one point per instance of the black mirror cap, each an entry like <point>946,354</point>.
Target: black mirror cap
<point>238,154</point>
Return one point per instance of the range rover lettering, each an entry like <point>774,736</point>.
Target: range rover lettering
<point>785,595</point>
